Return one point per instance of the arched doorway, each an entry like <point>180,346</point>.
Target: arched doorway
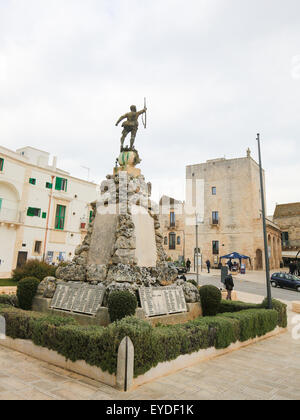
<point>259,260</point>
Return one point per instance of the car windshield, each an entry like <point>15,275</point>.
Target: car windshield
<point>295,278</point>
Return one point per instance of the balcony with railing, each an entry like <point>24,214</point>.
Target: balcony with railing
<point>11,216</point>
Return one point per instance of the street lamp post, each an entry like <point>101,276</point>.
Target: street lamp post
<point>264,227</point>
<point>198,222</point>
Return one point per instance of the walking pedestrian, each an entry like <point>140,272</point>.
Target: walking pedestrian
<point>208,266</point>
<point>230,265</point>
<point>188,265</point>
<point>229,284</point>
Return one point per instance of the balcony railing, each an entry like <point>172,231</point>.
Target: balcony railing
<point>11,216</point>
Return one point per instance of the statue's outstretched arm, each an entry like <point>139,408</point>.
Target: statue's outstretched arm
<point>142,111</point>
<point>121,119</point>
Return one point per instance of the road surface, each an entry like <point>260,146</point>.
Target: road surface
<point>257,288</point>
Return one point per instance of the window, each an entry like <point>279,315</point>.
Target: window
<point>44,216</point>
<point>166,240</point>
<point>178,240</point>
<point>1,199</point>
<point>60,217</point>
<point>216,247</point>
<point>33,212</point>
<point>214,190</point>
<point>172,219</point>
<point>285,238</point>
<point>172,241</point>
<point>61,184</point>
<point>37,247</point>
<point>32,181</point>
<point>1,164</point>
<point>49,185</point>
<point>91,216</point>
<point>215,218</point>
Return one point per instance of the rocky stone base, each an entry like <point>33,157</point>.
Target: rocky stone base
<point>123,273</point>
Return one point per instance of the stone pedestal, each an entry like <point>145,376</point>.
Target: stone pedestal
<point>123,248</point>
<point>127,161</point>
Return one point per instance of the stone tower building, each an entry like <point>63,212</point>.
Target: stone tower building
<point>225,196</point>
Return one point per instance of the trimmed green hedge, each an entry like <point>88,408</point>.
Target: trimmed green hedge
<point>26,290</point>
<point>121,304</point>
<point>98,346</point>
<point>281,309</point>
<point>235,306</point>
<point>211,298</point>
<point>9,300</point>
<point>254,322</point>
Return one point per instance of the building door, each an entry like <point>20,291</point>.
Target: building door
<point>22,258</point>
<point>259,260</point>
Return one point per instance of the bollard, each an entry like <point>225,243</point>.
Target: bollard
<point>125,365</point>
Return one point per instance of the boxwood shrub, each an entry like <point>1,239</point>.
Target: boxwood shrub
<point>98,346</point>
<point>281,309</point>
<point>9,300</point>
<point>211,298</point>
<point>254,322</point>
<point>121,304</point>
<point>34,268</point>
<point>235,306</point>
<point>26,290</point>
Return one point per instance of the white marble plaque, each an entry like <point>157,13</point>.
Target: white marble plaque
<point>162,300</point>
<point>78,297</point>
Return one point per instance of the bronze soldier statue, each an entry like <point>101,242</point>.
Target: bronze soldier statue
<point>131,125</point>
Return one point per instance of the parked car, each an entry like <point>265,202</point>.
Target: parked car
<point>285,280</point>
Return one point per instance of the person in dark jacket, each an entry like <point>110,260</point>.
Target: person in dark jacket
<point>208,266</point>
<point>229,284</point>
<point>188,265</point>
<point>230,265</point>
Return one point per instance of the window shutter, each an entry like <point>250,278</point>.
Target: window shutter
<point>30,212</point>
<point>1,164</point>
<point>58,184</point>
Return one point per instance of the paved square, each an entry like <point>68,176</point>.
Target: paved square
<point>268,370</point>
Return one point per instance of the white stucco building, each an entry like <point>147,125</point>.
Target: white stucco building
<point>44,212</point>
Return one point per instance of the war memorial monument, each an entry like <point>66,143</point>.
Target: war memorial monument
<point>123,250</point>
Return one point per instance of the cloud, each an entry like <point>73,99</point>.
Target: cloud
<point>215,72</point>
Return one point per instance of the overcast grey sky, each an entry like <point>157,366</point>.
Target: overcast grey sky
<point>215,72</point>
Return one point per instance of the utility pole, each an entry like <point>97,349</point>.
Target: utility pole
<point>270,305</point>
<point>198,221</point>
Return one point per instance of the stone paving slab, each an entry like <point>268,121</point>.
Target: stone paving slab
<point>267,370</point>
